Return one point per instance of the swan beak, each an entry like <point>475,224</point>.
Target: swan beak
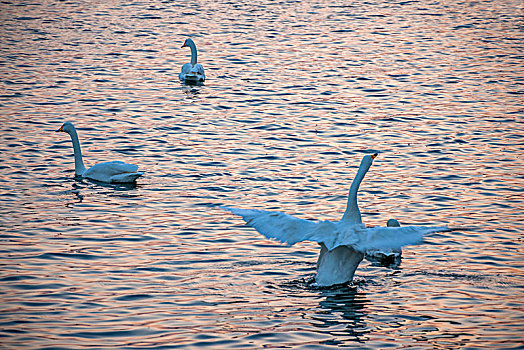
<point>61,129</point>
<point>183,45</point>
<point>374,155</point>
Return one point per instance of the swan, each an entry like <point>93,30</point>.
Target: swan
<point>386,256</point>
<point>115,171</point>
<point>343,243</point>
<point>192,72</point>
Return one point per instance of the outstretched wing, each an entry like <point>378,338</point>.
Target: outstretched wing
<point>289,229</point>
<point>392,237</point>
<point>283,227</point>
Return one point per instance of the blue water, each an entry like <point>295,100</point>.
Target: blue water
<point>295,94</point>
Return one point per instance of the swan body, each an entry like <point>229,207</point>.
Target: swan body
<point>343,243</point>
<point>388,255</point>
<point>192,72</point>
<point>115,171</point>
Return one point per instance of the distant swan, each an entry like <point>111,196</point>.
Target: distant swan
<point>192,72</point>
<point>115,171</point>
<point>343,243</point>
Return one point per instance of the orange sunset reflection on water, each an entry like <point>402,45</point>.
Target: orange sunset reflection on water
<point>295,95</point>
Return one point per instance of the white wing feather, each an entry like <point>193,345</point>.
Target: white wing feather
<point>282,227</point>
<point>288,229</point>
<point>383,238</point>
<point>190,72</point>
<point>198,68</point>
<point>105,171</point>
<point>126,177</point>
<point>186,68</point>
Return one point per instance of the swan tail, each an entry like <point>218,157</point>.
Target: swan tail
<point>126,177</point>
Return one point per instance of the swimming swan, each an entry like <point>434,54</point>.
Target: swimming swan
<point>192,72</point>
<point>115,171</point>
<point>342,243</point>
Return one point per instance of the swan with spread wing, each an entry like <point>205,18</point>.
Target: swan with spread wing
<point>115,171</point>
<point>343,243</point>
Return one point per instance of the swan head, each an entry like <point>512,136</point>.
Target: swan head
<point>188,42</point>
<point>67,127</point>
<point>368,160</point>
<point>393,223</point>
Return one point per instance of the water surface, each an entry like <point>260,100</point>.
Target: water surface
<point>296,93</point>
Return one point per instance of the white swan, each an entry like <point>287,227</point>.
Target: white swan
<point>192,72</point>
<point>386,256</point>
<point>343,243</point>
<point>115,171</point>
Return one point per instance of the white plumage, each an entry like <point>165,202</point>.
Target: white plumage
<point>387,256</point>
<point>192,72</point>
<point>115,171</point>
<point>289,229</point>
<point>343,243</point>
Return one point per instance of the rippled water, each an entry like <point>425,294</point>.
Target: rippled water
<point>295,93</point>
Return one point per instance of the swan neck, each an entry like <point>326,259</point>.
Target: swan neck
<point>192,46</point>
<point>352,213</point>
<point>79,163</point>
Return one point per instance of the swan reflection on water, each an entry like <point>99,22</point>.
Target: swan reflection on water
<point>192,90</point>
<point>343,306</point>
<point>339,306</point>
<point>81,186</point>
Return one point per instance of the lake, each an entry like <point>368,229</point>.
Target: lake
<point>296,92</point>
